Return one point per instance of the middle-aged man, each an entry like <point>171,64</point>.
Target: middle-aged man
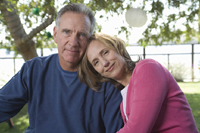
<point>57,101</point>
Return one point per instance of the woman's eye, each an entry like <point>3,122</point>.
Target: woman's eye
<point>95,63</point>
<point>106,52</point>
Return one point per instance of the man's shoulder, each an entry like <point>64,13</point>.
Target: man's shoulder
<point>40,63</point>
<point>108,88</point>
<point>43,59</point>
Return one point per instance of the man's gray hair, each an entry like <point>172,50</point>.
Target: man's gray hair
<point>78,8</point>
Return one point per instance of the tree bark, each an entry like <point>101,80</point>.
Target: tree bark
<point>23,41</point>
<point>199,24</point>
<point>14,25</point>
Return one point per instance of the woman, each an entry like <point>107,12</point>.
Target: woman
<point>152,99</point>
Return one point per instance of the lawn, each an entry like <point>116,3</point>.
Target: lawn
<point>192,93</point>
<point>191,90</point>
<point>20,121</point>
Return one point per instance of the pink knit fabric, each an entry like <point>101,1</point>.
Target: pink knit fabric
<point>155,102</point>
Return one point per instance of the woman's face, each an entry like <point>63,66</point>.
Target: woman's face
<point>106,61</point>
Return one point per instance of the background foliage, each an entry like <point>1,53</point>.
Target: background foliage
<point>170,21</point>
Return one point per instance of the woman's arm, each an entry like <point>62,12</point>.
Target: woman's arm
<point>149,89</point>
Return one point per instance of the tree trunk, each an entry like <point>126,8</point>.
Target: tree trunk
<point>199,24</point>
<point>24,43</point>
<point>27,50</point>
<point>14,25</point>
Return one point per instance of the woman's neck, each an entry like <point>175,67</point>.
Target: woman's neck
<point>125,80</point>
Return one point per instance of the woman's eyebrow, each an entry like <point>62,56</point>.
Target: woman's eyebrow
<point>101,52</point>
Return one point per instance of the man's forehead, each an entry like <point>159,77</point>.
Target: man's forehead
<point>75,25</point>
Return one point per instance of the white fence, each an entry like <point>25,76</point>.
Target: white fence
<point>185,57</point>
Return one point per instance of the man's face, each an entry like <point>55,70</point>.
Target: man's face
<point>71,37</point>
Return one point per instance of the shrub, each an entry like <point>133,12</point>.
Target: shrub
<point>179,71</point>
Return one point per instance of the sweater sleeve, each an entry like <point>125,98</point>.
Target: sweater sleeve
<point>13,96</point>
<point>112,116</point>
<point>148,90</point>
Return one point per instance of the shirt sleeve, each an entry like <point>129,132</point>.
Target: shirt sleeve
<point>149,84</point>
<point>112,116</point>
<point>13,96</point>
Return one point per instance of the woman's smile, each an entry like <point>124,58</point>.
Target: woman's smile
<point>110,68</point>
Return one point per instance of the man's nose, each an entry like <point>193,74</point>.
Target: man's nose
<point>73,41</point>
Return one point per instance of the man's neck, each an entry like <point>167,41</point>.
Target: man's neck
<point>68,66</point>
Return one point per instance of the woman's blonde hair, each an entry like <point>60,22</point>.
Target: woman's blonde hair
<point>88,75</point>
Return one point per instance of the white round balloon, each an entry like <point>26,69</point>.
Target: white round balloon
<point>136,17</point>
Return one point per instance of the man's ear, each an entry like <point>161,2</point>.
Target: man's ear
<point>55,30</point>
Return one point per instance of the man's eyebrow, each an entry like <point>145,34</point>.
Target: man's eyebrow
<point>65,29</point>
<point>85,32</point>
<point>82,32</point>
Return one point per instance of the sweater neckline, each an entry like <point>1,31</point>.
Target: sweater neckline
<point>71,74</point>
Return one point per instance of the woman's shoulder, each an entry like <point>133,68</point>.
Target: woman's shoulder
<point>149,65</point>
<point>147,62</point>
<point>148,68</point>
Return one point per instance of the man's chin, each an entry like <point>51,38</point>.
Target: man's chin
<point>73,62</point>
<point>70,60</point>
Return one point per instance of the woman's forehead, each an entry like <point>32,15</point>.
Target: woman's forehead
<point>94,49</point>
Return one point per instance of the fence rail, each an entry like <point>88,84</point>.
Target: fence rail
<point>144,54</point>
<point>192,53</point>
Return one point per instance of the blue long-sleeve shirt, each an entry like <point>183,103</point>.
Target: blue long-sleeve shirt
<point>58,102</point>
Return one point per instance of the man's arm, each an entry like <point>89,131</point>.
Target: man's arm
<point>112,115</point>
<point>12,97</point>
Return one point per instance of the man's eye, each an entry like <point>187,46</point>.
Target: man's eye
<point>66,31</point>
<point>83,35</point>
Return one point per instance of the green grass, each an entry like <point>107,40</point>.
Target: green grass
<point>192,93</point>
<point>191,90</point>
<point>190,87</point>
<point>20,121</point>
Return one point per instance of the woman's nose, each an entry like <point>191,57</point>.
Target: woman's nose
<point>106,63</point>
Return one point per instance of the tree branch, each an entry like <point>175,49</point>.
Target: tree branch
<point>47,22</point>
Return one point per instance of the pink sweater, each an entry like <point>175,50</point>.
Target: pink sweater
<point>155,102</point>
